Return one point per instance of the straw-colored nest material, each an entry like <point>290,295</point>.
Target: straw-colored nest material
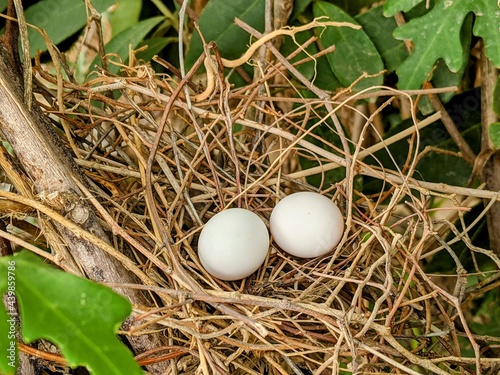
<point>367,307</point>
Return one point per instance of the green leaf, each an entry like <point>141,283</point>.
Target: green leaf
<point>79,316</point>
<point>443,77</point>
<point>485,320</point>
<point>496,97</point>
<point>155,45</point>
<point>437,35</point>
<point>354,54</point>
<point>299,6</point>
<point>379,29</point>
<point>391,7</point>
<point>217,24</point>
<point>3,5</point>
<point>494,133</point>
<point>487,26</point>
<point>119,45</point>
<point>354,7</point>
<point>59,18</point>
<point>320,72</point>
<point>289,46</point>
<point>124,15</point>
<point>325,78</point>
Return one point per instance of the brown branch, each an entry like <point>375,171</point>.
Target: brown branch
<point>450,126</point>
<point>491,170</point>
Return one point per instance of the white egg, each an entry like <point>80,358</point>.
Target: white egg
<point>233,244</point>
<point>306,224</point>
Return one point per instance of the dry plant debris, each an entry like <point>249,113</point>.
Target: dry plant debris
<point>160,165</point>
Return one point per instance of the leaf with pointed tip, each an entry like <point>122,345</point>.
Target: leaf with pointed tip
<point>299,6</point>
<point>317,70</point>
<point>124,15</point>
<point>132,36</point>
<point>155,45</point>
<point>380,29</point>
<point>487,26</point>
<point>354,53</point>
<point>436,35</point>
<point>217,24</point>
<point>443,77</point>
<point>59,18</point>
<point>391,7</point>
<point>81,317</point>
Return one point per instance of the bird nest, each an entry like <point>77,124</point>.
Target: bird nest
<point>160,165</point>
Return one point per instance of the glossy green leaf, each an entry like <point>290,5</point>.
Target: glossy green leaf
<point>494,134</point>
<point>354,54</point>
<point>466,40</point>
<point>155,45</point>
<point>325,79</point>
<point>59,18</point>
<point>125,14</point>
<point>120,44</point>
<point>443,76</point>
<point>289,46</point>
<point>299,6</point>
<point>3,5</point>
<point>496,97</point>
<point>318,71</point>
<point>380,29</point>
<point>487,27</point>
<point>79,316</point>
<point>354,7</point>
<point>391,7</point>
<point>437,35</point>
<point>217,24</point>
<point>485,321</point>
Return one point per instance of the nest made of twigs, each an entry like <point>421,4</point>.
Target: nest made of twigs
<point>160,166</point>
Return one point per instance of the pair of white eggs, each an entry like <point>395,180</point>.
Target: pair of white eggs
<point>234,243</point>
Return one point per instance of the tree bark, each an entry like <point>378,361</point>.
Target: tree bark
<point>51,169</point>
<point>491,171</point>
